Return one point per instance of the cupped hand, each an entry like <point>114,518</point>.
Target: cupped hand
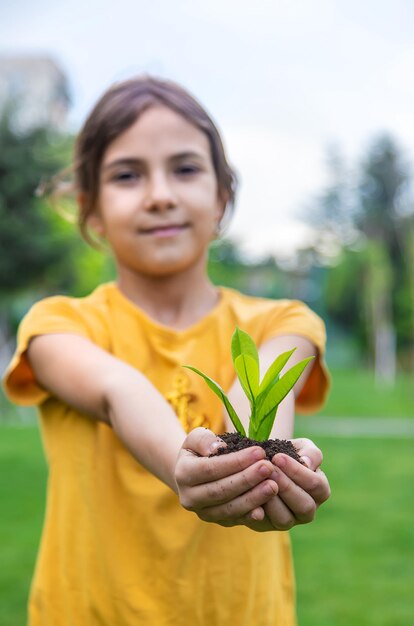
<point>302,488</point>
<point>223,489</point>
<point>243,488</point>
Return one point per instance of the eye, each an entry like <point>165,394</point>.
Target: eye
<point>126,176</point>
<point>187,170</point>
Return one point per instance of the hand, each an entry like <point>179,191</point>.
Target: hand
<point>223,489</point>
<point>302,489</point>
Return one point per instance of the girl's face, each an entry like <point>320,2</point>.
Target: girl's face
<point>158,204</point>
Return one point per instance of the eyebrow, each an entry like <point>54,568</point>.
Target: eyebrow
<point>134,161</point>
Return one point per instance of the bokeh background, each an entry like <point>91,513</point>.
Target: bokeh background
<point>316,105</point>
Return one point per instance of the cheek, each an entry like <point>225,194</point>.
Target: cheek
<point>116,208</point>
<point>207,229</point>
<point>206,202</point>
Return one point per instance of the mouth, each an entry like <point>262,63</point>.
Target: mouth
<point>165,230</point>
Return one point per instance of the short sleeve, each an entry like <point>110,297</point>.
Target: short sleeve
<point>52,315</point>
<point>292,317</point>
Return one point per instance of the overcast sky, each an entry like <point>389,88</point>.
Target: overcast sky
<point>284,79</point>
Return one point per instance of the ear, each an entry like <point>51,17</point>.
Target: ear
<point>95,223</point>
<point>222,200</point>
<point>94,219</point>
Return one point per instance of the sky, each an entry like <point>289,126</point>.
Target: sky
<point>284,80</point>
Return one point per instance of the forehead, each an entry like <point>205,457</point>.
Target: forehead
<point>158,131</point>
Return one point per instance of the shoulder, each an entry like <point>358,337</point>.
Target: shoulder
<point>275,317</point>
<point>265,319</point>
<point>93,301</point>
<point>67,314</point>
<point>57,314</point>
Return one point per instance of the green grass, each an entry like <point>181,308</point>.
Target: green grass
<point>353,564</point>
<point>22,489</point>
<point>355,394</point>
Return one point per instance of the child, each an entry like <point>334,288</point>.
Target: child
<point>125,539</point>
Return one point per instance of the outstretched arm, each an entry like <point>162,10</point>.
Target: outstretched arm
<point>223,489</point>
<point>104,388</point>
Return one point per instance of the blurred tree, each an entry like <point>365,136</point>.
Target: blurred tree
<point>40,253</point>
<point>376,293</point>
<point>384,179</point>
<point>228,267</point>
<point>332,212</point>
<point>29,241</point>
<point>405,299</point>
<point>365,234</point>
<point>33,251</point>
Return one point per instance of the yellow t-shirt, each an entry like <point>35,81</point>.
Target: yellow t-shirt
<point>117,548</point>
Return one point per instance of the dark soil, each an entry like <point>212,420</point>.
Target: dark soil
<point>236,442</point>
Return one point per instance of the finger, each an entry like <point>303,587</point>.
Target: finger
<point>262,525</point>
<point>279,515</point>
<point>192,470</point>
<point>274,515</point>
<point>294,504</point>
<point>253,517</point>
<point>257,515</point>
<point>202,442</point>
<point>226,489</point>
<point>314,483</point>
<point>309,452</point>
<point>241,506</point>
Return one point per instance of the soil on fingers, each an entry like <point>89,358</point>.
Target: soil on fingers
<point>236,442</point>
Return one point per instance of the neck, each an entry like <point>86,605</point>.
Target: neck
<point>177,301</point>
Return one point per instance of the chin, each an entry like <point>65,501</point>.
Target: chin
<point>169,265</point>
<point>169,268</point>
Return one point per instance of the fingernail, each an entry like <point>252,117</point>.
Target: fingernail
<point>264,470</point>
<point>216,445</point>
<point>306,460</point>
<point>257,515</point>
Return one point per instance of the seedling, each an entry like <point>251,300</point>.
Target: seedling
<point>264,396</point>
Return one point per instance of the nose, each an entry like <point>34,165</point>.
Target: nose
<point>160,195</point>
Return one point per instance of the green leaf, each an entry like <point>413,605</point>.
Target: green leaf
<point>272,374</point>
<point>248,373</point>
<point>265,427</point>
<point>255,428</point>
<point>280,390</point>
<point>220,393</point>
<point>242,343</point>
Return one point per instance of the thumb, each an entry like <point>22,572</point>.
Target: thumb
<point>309,453</point>
<point>202,442</point>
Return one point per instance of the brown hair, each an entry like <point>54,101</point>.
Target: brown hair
<point>116,111</point>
